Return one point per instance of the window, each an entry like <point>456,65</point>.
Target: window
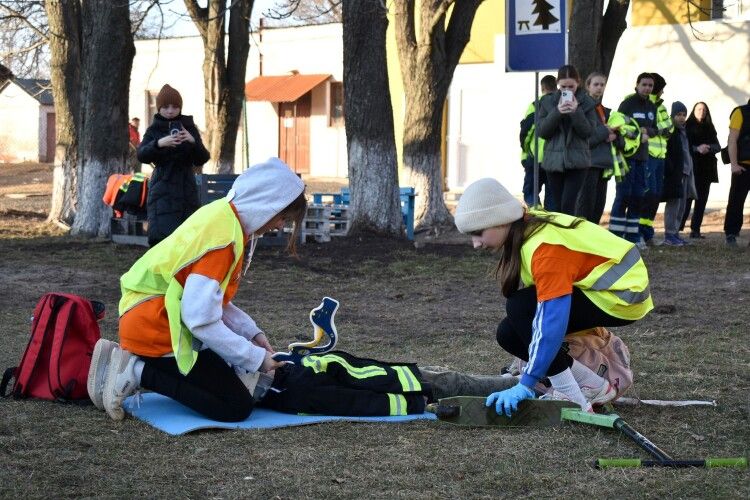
<point>336,104</point>
<point>151,105</point>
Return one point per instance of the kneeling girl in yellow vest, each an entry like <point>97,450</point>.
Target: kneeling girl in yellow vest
<point>180,334</point>
<point>560,274</point>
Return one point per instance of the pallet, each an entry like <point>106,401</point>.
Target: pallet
<point>129,230</point>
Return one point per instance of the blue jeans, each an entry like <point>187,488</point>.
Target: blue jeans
<point>626,209</point>
<point>652,198</point>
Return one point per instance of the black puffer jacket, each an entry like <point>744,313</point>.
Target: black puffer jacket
<point>172,193</point>
<point>704,164</point>
<point>566,145</point>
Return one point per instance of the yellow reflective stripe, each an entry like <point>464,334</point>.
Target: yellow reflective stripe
<point>397,403</point>
<point>409,383</point>
<point>646,222</point>
<point>319,363</point>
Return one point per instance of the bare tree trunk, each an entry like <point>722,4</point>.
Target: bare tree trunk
<point>224,76</point>
<point>64,18</point>
<point>107,60</point>
<point>594,34</point>
<point>368,115</point>
<point>428,59</point>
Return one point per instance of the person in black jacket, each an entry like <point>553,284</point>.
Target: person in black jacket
<point>173,145</point>
<point>704,144</point>
<point>626,209</point>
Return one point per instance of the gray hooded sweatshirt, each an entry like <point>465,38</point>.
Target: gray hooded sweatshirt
<point>259,194</point>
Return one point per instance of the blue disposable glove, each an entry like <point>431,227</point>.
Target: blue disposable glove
<point>509,399</point>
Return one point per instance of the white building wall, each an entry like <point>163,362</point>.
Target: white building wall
<point>176,61</point>
<point>486,104</point>
<point>19,125</point>
<point>263,130</point>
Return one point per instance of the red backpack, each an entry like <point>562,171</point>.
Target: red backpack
<point>56,362</point>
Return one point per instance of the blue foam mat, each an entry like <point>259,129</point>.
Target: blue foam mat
<point>173,418</point>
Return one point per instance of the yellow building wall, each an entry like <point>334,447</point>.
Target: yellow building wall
<point>657,12</point>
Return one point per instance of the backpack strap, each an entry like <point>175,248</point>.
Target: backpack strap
<point>39,327</point>
<point>58,339</point>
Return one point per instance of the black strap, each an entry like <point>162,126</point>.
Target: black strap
<point>9,374</point>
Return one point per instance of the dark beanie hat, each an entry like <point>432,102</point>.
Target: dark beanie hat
<point>659,82</point>
<point>678,107</point>
<point>168,95</point>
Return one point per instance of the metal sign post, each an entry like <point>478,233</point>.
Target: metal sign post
<point>536,40</point>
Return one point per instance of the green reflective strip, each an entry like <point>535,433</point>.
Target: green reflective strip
<point>397,403</point>
<point>409,383</point>
<point>320,364</point>
<point>614,273</point>
<point>646,222</point>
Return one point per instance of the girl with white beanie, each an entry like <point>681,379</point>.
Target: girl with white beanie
<point>560,274</point>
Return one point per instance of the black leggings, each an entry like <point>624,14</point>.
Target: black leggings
<point>211,388</point>
<point>564,188</point>
<point>515,331</point>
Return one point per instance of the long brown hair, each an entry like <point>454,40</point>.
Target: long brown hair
<point>295,212</point>
<point>508,271</point>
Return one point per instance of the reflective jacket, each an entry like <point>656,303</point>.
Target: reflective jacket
<point>657,145</point>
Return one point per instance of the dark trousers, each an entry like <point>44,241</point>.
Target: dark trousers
<point>737,195</point>
<point>528,186</point>
<point>563,189</point>
<point>354,387</point>
<point>702,186</point>
<point>515,331</point>
<point>593,195</point>
<point>211,388</point>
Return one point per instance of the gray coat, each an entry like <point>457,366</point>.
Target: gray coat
<point>566,136</point>
<point>601,150</point>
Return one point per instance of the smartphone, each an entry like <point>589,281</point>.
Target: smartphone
<point>566,96</point>
<point>174,128</point>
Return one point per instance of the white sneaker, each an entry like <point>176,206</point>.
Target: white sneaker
<point>98,370</point>
<point>561,396</point>
<point>119,383</point>
<point>601,395</point>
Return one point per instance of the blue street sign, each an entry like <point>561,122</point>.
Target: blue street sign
<point>535,37</point>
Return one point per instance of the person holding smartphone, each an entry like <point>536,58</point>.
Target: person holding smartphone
<point>173,145</point>
<point>566,120</point>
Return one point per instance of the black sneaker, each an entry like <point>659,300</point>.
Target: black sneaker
<point>731,240</point>
<point>697,236</point>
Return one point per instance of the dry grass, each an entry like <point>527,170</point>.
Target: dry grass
<point>434,305</point>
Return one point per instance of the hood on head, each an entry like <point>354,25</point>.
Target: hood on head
<point>262,191</point>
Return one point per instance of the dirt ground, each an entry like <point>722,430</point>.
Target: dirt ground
<point>433,303</point>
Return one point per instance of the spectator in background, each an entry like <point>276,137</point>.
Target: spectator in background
<point>593,195</point>
<point>530,141</point>
<point>566,121</point>
<point>738,148</point>
<point>626,209</point>
<point>704,144</point>
<point>134,140</point>
<point>173,144</point>
<point>679,184</point>
<point>657,151</point>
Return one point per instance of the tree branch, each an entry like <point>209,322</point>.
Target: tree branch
<point>458,34</point>
<point>199,15</point>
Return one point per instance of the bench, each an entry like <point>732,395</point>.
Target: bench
<point>211,187</point>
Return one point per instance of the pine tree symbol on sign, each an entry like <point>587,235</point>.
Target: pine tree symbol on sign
<point>544,11</point>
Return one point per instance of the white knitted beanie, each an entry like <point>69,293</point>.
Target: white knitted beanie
<point>484,204</point>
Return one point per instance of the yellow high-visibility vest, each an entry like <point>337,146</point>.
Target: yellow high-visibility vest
<point>618,286</point>
<point>154,273</point>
